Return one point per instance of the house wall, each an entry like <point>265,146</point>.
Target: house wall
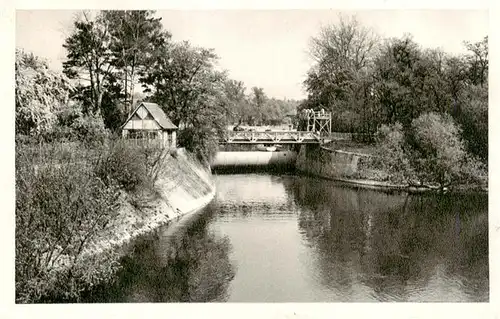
<point>150,125</point>
<point>165,138</point>
<point>174,139</point>
<point>142,125</point>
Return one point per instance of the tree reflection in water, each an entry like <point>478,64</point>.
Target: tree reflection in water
<point>395,244</point>
<point>352,245</point>
<point>192,266</point>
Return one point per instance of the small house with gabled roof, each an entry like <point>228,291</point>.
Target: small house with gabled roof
<point>148,121</point>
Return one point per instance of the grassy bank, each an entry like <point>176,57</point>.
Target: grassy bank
<point>75,203</point>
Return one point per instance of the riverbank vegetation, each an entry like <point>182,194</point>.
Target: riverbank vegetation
<point>73,172</point>
<point>425,110</point>
<point>67,195</point>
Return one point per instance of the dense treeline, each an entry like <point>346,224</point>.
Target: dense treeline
<point>116,58</point>
<point>256,108</point>
<point>427,109</point>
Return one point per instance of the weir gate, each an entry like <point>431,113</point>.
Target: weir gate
<point>314,128</point>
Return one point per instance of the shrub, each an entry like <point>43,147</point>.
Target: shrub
<point>474,120</point>
<point>66,194</point>
<point>71,124</point>
<point>132,165</point>
<point>39,94</point>
<point>391,156</point>
<point>90,128</point>
<point>429,153</point>
<point>60,207</point>
<point>119,164</point>
<point>200,141</point>
<point>439,154</point>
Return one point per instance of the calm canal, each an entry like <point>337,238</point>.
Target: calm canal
<point>282,238</point>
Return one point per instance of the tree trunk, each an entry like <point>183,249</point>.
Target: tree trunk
<point>92,87</point>
<point>126,85</point>
<point>132,84</point>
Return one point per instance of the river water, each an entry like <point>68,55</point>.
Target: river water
<point>283,238</point>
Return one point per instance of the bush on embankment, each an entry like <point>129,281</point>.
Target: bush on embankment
<point>66,194</point>
<point>429,153</point>
<point>201,141</point>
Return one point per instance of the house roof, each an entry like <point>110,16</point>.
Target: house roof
<point>157,113</point>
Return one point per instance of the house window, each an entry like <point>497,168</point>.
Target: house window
<point>134,134</point>
<point>152,135</point>
<point>141,134</point>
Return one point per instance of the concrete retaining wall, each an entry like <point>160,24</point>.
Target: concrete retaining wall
<point>315,160</point>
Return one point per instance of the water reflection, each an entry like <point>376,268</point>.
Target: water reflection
<point>404,248</point>
<point>291,239</point>
<point>191,264</point>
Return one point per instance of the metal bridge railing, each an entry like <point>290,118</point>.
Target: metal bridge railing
<point>270,136</point>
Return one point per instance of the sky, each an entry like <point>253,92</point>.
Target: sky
<point>266,48</point>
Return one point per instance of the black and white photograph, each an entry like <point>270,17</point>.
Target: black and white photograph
<point>251,156</point>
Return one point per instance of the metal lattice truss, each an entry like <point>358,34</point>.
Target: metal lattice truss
<point>319,122</point>
<point>273,137</point>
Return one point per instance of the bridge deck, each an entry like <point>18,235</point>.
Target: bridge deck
<point>280,137</point>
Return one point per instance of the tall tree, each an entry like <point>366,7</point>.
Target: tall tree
<point>259,98</point>
<point>183,80</point>
<point>477,60</point>
<point>474,120</point>
<point>136,35</point>
<point>235,94</point>
<point>399,75</point>
<point>455,74</point>
<point>89,58</point>
<point>339,79</point>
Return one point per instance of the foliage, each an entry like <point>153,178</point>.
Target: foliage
<point>133,167</point>
<point>339,80</point>
<point>90,128</point>
<point>136,35</point>
<point>439,155</point>
<point>183,80</point>
<point>397,81</point>
<point>40,93</point>
<point>256,108</point>
<point>473,117</point>
<point>66,194</point>
<point>391,156</point>
<point>430,153</point>
<point>367,85</point>
<point>89,58</point>
<point>201,141</point>
<point>234,93</point>
<point>106,51</point>
<point>60,207</point>
<point>73,125</point>
<point>477,61</point>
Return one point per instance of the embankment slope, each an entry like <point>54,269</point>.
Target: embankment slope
<point>185,186</point>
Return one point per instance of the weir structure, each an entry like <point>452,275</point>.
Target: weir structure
<point>313,128</point>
